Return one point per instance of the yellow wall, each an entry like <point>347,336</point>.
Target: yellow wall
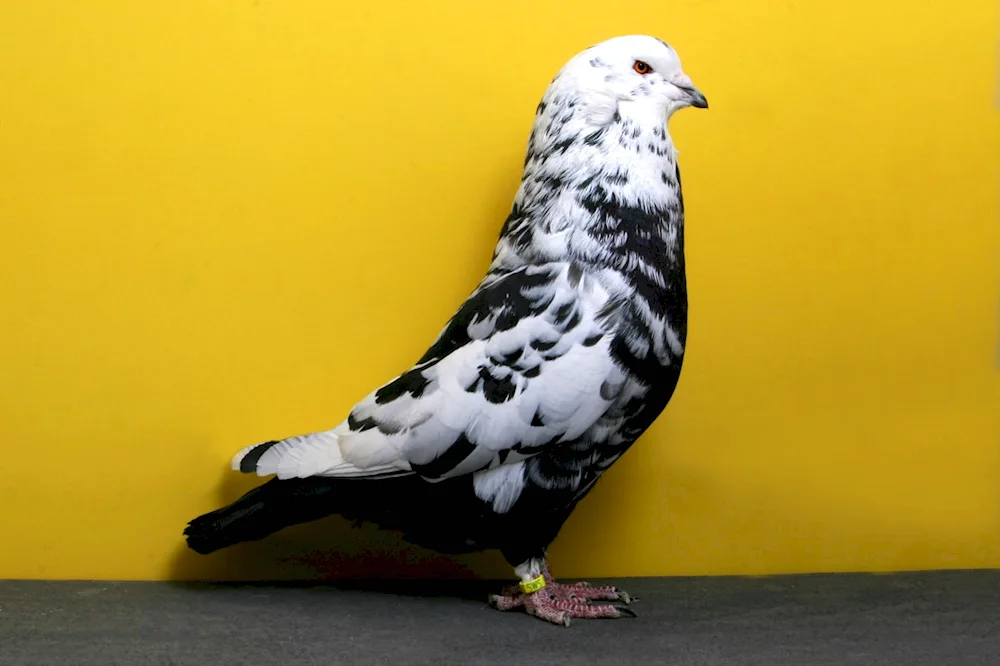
<point>220,219</point>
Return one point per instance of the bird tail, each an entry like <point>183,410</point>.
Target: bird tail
<point>263,511</point>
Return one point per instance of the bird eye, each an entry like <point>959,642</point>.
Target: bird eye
<point>641,67</point>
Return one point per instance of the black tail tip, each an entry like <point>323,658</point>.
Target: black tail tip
<point>202,538</point>
<point>248,465</point>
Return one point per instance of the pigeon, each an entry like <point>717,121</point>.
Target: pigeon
<point>559,360</point>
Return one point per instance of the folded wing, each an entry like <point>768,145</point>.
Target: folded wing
<point>523,364</point>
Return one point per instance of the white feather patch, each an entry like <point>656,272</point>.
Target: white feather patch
<point>500,486</point>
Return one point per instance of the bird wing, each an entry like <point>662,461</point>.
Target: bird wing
<point>525,363</point>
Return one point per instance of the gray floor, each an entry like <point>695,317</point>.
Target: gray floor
<point>913,619</point>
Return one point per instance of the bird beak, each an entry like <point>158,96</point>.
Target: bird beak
<point>695,97</point>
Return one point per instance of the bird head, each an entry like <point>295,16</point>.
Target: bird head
<point>637,72</point>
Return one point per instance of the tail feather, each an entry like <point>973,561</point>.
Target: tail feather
<point>315,454</point>
<point>443,516</point>
<point>261,512</point>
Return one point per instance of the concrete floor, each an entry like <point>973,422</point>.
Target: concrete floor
<point>933,619</point>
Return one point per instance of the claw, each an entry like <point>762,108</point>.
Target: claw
<point>504,602</point>
<point>627,612</point>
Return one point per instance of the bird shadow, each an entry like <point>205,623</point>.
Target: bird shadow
<point>332,553</point>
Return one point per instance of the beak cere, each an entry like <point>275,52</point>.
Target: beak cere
<point>684,84</point>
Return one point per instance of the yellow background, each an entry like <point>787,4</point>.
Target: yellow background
<point>226,221</point>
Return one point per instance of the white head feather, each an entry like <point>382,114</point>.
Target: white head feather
<point>635,71</point>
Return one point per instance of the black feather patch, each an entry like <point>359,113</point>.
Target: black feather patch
<point>411,381</point>
<point>497,389</point>
<point>562,312</point>
<point>570,323</point>
<point>594,138</point>
<point>574,275</point>
<point>509,359</point>
<point>360,425</point>
<point>563,146</point>
<point>249,463</point>
<point>611,391</point>
<point>447,461</point>
<point>646,368</point>
<point>540,345</point>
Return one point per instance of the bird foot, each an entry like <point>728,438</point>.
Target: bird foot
<point>560,602</point>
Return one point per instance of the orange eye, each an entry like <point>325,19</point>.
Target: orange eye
<point>641,67</point>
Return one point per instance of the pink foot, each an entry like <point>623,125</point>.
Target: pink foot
<point>560,602</point>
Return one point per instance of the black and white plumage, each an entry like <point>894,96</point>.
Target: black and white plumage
<point>559,360</point>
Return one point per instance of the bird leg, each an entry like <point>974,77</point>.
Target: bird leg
<point>540,595</point>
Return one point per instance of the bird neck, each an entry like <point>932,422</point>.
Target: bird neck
<point>600,188</point>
